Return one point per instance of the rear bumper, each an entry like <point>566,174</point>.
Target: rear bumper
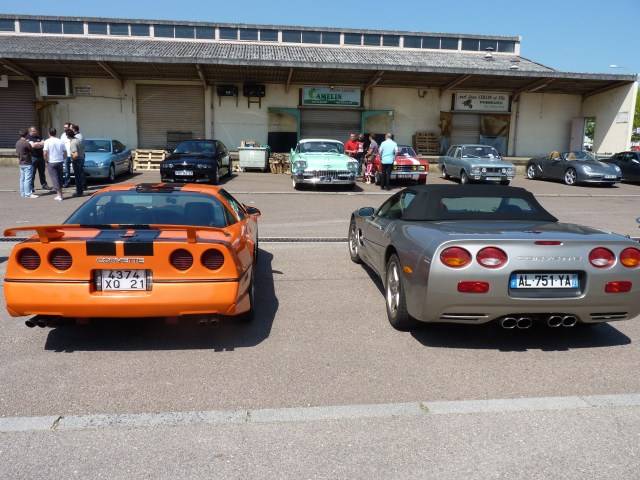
<point>80,300</point>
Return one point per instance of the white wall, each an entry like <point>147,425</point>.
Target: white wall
<point>613,111</point>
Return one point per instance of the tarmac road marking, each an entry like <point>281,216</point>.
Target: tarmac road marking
<point>58,423</point>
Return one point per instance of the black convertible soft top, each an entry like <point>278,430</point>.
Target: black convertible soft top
<point>465,202</point>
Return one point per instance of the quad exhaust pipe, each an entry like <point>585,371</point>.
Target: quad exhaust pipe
<point>509,323</point>
<point>555,321</point>
<point>524,323</point>
<point>569,321</point>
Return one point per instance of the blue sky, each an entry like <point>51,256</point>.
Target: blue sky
<point>581,36</point>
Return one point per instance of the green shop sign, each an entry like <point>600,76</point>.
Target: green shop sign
<point>345,97</point>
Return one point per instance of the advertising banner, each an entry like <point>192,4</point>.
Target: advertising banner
<point>337,96</point>
<point>481,102</point>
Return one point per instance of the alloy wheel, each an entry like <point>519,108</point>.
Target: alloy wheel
<point>531,172</point>
<point>393,289</point>
<point>570,177</point>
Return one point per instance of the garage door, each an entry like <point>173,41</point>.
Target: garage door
<point>17,110</point>
<point>465,128</point>
<point>332,124</point>
<point>168,114</point>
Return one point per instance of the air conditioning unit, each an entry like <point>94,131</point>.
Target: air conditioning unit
<point>253,90</point>
<point>54,86</point>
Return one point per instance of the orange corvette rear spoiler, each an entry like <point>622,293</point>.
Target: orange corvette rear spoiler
<point>47,233</point>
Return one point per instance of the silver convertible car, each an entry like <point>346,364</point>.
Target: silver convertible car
<point>573,168</point>
<point>476,254</point>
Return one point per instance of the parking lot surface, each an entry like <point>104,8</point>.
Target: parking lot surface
<point>320,339</point>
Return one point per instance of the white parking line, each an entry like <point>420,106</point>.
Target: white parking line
<point>314,414</point>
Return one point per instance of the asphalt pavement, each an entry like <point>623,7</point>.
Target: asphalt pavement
<point>389,402</point>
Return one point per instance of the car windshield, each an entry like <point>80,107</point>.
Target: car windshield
<point>320,147</point>
<point>97,145</point>
<point>136,208</point>
<point>580,156</point>
<point>406,152</point>
<point>195,146</point>
<point>480,151</point>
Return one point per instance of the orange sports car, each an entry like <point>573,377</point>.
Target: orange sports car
<point>147,250</point>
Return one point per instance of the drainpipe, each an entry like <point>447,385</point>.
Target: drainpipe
<point>514,150</point>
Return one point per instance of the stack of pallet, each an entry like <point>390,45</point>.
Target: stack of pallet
<point>426,143</point>
<point>279,163</point>
<point>148,159</point>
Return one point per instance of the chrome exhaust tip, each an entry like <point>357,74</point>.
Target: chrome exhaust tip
<point>569,321</point>
<point>524,322</point>
<point>554,321</point>
<point>509,323</point>
<point>30,323</point>
<point>42,323</point>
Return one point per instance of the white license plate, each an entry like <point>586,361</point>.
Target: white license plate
<point>543,280</point>
<point>610,177</point>
<point>185,173</point>
<point>407,175</point>
<point>123,280</point>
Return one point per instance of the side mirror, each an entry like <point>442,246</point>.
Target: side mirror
<point>252,210</point>
<point>366,212</point>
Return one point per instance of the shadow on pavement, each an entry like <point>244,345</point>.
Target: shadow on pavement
<point>154,334</point>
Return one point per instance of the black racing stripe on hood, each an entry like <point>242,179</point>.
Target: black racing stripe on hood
<point>140,243</point>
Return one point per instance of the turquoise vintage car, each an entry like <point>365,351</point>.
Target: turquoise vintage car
<point>321,162</point>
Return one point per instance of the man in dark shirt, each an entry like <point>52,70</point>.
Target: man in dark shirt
<point>37,158</point>
<point>23,149</point>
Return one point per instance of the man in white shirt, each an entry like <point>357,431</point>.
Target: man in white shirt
<point>388,152</point>
<point>55,154</point>
<point>67,161</point>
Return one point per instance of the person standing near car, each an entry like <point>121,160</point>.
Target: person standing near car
<point>388,152</point>
<point>369,158</point>
<point>67,161</point>
<point>23,149</point>
<point>351,145</point>
<point>76,152</point>
<point>55,154</point>
<point>37,159</point>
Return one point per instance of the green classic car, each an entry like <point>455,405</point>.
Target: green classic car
<point>322,162</point>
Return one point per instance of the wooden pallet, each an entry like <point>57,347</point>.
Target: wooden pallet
<point>148,159</point>
<point>426,143</point>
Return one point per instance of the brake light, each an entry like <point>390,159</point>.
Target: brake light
<point>60,259</point>
<point>212,259</point>
<point>473,287</point>
<point>601,257</point>
<point>548,242</point>
<point>181,259</point>
<point>491,257</point>
<point>455,257</point>
<point>28,258</point>
<point>618,287</point>
<point>630,257</point>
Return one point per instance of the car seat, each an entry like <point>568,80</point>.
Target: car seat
<point>203,214</point>
<point>119,213</point>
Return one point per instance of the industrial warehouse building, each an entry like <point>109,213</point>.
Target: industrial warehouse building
<point>152,83</point>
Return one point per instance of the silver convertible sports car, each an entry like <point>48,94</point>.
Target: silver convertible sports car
<point>573,168</point>
<point>475,254</point>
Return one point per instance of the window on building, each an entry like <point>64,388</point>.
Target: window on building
<point>506,46</point>
<point>447,43</point>
<point>165,31</point>
<point>139,30</point>
<point>205,33</point>
<point>291,36</point>
<point>51,26</point>
<point>30,26</point>
<point>119,29</point>
<point>431,42</point>
<point>7,25</point>
<point>73,28</point>
<point>352,39</point>
<point>228,33</point>
<point>269,35</point>
<point>248,34</point>
<point>98,28</point>
<point>371,39</point>
<point>391,40</point>
<point>412,42</point>
<point>331,38</point>
<point>311,37</point>
<point>470,44</point>
<point>485,44</point>
<point>184,31</point>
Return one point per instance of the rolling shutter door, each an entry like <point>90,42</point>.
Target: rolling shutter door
<point>465,128</point>
<point>17,110</point>
<point>330,124</point>
<point>167,112</point>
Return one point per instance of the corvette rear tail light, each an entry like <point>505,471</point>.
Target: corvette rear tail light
<point>601,257</point>
<point>181,259</point>
<point>473,287</point>
<point>618,287</point>
<point>212,259</point>
<point>630,257</point>
<point>548,242</point>
<point>491,257</point>
<point>60,259</point>
<point>29,259</point>
<point>455,257</point>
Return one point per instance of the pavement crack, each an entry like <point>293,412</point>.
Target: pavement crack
<point>56,422</point>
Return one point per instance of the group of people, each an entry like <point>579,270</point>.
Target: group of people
<point>55,156</point>
<point>364,149</point>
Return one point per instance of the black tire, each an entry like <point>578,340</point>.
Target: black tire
<point>531,172</point>
<point>570,177</point>
<point>112,173</point>
<point>296,186</point>
<point>354,242</point>
<point>445,175</point>
<point>130,169</point>
<point>247,316</point>
<point>394,296</point>
<point>216,177</point>
<point>464,178</point>
<point>378,180</point>
<point>505,182</point>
